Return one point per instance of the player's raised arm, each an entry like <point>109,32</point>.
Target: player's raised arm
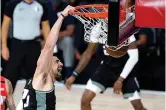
<point>45,58</point>
<point>85,58</point>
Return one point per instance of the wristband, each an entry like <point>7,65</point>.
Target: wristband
<point>63,15</point>
<point>118,81</point>
<point>75,74</point>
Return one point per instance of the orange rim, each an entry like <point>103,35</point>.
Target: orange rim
<point>92,14</point>
<point>100,6</point>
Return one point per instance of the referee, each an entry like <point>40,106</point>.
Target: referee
<point>26,15</point>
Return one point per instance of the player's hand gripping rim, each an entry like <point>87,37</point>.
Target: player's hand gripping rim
<point>67,10</point>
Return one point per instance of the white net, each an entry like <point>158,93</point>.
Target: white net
<point>96,27</point>
<point>93,26</point>
<point>115,48</point>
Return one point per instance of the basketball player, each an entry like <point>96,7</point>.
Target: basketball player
<point>38,93</point>
<point>6,94</point>
<point>111,68</point>
<point>117,66</point>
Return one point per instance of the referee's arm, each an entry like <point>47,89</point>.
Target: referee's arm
<point>5,28</point>
<point>45,29</point>
<point>45,23</point>
<point>8,13</point>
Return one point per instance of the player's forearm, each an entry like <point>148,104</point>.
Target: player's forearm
<point>44,61</point>
<point>53,36</point>
<point>85,58</point>
<point>10,103</point>
<point>133,59</point>
<point>83,62</point>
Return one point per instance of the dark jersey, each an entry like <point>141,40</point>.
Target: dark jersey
<point>38,100</point>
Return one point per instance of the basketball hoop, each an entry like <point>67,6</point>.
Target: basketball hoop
<point>91,15</point>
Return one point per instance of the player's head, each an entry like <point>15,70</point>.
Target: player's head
<point>56,67</point>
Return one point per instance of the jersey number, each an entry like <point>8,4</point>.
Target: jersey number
<point>26,97</point>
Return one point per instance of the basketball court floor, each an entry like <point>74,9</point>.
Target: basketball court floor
<point>70,100</point>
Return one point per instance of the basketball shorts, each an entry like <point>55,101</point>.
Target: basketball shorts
<point>108,72</point>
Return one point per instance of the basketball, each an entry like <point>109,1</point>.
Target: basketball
<point>118,53</point>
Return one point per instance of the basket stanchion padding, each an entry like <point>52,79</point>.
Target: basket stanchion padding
<point>150,13</point>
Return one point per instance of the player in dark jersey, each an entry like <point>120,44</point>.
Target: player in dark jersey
<point>117,66</point>
<point>120,70</point>
<point>38,93</point>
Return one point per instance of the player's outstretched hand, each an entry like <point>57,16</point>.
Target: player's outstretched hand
<point>67,10</point>
<point>69,82</point>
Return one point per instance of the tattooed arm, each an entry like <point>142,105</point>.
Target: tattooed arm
<point>86,57</point>
<point>82,63</point>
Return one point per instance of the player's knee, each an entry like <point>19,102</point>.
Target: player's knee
<point>85,101</point>
<point>137,105</point>
<point>87,97</point>
<point>140,108</point>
